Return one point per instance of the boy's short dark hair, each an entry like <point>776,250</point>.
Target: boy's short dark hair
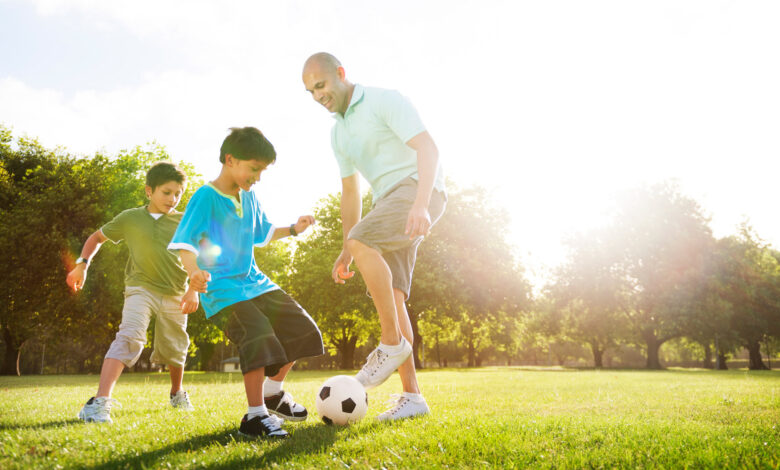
<point>162,172</point>
<point>247,143</point>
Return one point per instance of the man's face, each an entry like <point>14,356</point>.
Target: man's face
<point>246,172</point>
<point>165,197</point>
<point>326,86</point>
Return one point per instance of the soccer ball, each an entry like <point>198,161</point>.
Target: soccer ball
<point>341,400</point>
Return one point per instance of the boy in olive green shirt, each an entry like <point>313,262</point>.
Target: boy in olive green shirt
<point>155,284</point>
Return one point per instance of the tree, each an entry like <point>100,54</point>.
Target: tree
<point>467,271</point>
<point>344,313</point>
<point>591,296</point>
<point>663,242</point>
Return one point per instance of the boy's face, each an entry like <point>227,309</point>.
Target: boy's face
<point>245,172</point>
<point>164,198</point>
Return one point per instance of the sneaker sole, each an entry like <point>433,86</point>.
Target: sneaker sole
<point>262,436</point>
<point>295,419</point>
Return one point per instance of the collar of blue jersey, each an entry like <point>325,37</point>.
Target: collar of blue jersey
<point>237,203</point>
<point>357,96</point>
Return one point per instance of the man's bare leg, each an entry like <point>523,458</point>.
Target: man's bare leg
<point>406,370</point>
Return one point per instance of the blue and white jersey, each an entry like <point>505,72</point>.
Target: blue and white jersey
<point>223,232</point>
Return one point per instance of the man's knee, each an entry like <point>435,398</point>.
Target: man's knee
<point>356,248</point>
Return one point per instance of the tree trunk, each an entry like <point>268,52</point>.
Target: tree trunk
<point>653,346</point>
<point>347,349</point>
<point>598,355</point>
<point>13,352</point>
<point>720,364</point>
<point>438,351</point>
<point>707,363</point>
<point>417,339</point>
<point>755,361</point>
<point>472,354</point>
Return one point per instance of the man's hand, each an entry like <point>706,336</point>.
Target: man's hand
<point>303,223</point>
<point>189,301</point>
<point>77,277</point>
<point>419,222</point>
<point>199,280</point>
<point>341,270</point>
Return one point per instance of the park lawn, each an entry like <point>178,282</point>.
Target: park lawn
<point>481,418</point>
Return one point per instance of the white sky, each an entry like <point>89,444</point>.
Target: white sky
<point>556,105</point>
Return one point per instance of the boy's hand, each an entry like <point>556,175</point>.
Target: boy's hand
<point>189,302</point>
<point>341,270</point>
<point>303,223</point>
<point>77,277</point>
<point>199,280</point>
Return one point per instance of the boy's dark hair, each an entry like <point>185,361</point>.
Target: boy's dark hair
<point>247,143</point>
<point>162,172</point>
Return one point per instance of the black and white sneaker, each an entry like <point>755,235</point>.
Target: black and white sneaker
<point>260,426</point>
<point>283,405</point>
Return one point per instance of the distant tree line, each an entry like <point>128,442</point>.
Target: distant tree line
<point>653,274</point>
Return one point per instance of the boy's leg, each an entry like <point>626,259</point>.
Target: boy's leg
<point>171,343</point>
<point>177,375</point>
<point>109,374</point>
<point>253,385</point>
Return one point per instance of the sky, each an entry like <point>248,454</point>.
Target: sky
<point>555,106</point>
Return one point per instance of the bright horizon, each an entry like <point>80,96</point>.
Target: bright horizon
<point>554,106</point>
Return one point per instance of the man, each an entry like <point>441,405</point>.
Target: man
<point>379,134</point>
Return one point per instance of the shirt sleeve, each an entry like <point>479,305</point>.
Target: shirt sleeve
<point>346,167</point>
<point>400,115</point>
<point>264,229</point>
<point>115,229</point>
<point>194,224</point>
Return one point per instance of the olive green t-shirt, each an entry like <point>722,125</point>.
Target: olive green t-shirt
<point>150,264</point>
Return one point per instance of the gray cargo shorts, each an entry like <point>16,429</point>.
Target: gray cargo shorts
<point>383,229</point>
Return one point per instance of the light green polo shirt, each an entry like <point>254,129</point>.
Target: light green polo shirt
<point>371,138</point>
<point>151,264</point>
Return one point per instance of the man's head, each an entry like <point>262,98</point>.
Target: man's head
<point>245,154</point>
<point>165,183</point>
<point>325,79</point>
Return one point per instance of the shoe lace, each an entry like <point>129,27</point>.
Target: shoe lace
<point>105,404</point>
<point>396,402</point>
<point>272,422</point>
<point>374,360</point>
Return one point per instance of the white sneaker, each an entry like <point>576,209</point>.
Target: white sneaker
<point>181,401</point>
<point>97,410</point>
<point>404,407</point>
<point>379,365</point>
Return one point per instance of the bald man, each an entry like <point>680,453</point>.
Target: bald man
<point>379,134</point>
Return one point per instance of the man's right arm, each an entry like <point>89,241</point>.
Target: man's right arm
<point>351,209</point>
<point>351,205</point>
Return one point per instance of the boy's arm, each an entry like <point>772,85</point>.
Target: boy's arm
<point>303,223</point>
<point>199,279</point>
<point>78,275</point>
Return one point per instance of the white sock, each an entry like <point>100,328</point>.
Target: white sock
<point>271,387</point>
<point>415,397</point>
<point>256,411</point>
<point>396,348</point>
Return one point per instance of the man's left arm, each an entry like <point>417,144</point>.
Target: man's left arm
<point>419,220</point>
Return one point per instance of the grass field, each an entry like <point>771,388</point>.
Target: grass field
<point>482,418</point>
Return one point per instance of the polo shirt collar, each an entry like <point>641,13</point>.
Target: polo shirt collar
<point>237,203</point>
<point>357,96</point>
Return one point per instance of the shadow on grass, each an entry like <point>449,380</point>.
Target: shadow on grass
<point>305,440</point>
<point>308,440</point>
<point>50,424</point>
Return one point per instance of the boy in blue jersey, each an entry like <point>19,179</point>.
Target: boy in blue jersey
<point>222,224</point>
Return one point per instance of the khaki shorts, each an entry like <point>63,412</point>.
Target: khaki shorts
<point>170,328</point>
<point>383,230</point>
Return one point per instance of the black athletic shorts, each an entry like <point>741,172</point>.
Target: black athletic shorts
<point>270,331</point>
